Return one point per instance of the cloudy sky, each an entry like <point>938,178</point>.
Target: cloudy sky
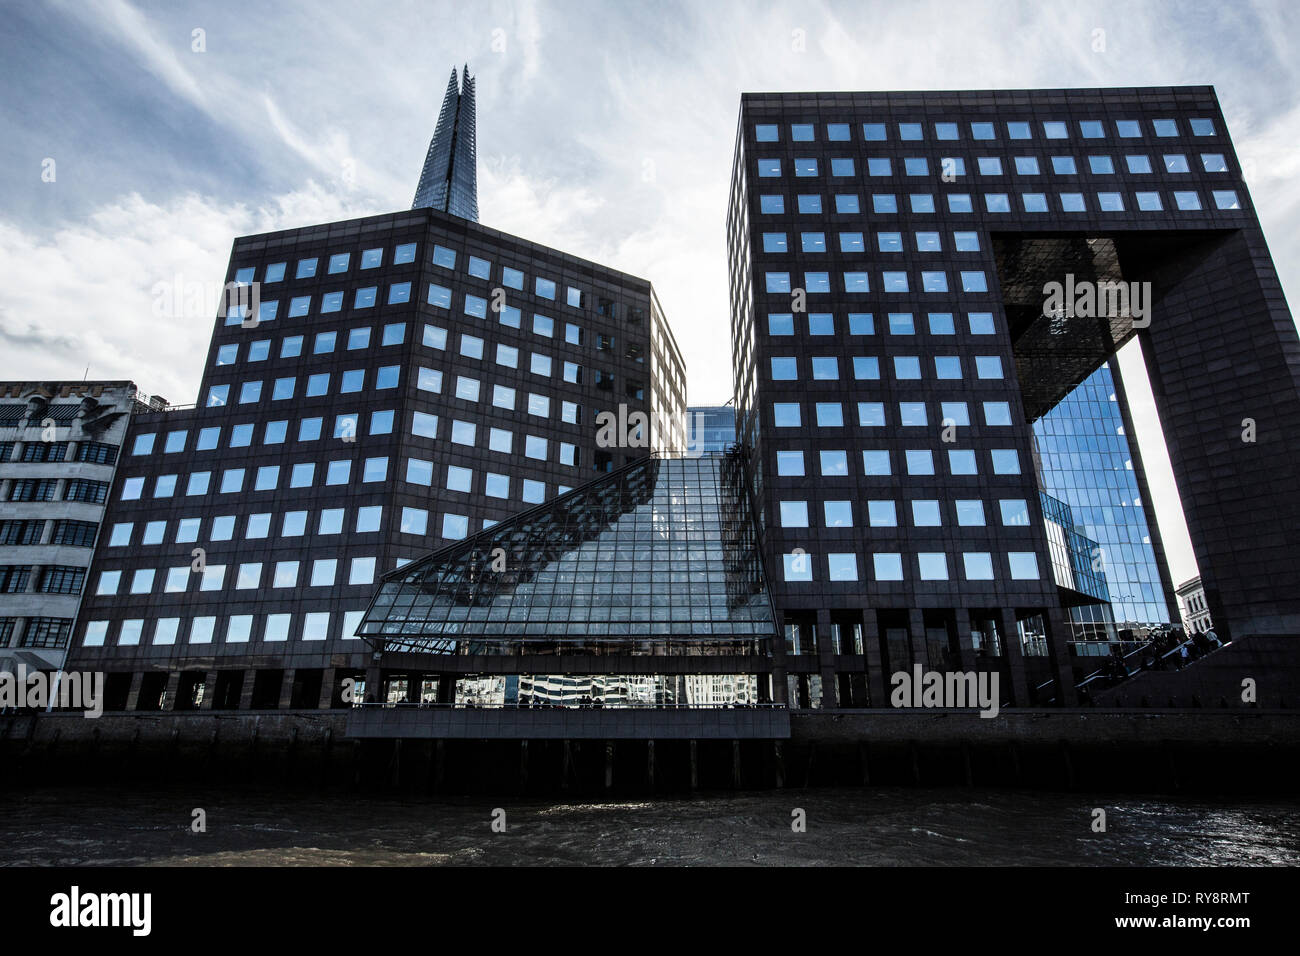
<point>136,148</point>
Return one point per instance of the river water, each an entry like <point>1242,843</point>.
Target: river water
<point>873,826</point>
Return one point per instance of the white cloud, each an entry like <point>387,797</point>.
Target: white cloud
<point>92,292</point>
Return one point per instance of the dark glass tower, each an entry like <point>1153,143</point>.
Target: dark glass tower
<point>894,340</point>
<point>448,181</point>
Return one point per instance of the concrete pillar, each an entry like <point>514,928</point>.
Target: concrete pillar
<point>374,684</point>
<point>246,690</point>
<point>327,678</point>
<point>133,695</point>
<point>826,659</point>
<point>876,677</point>
<point>1058,636</point>
<point>1015,659</point>
<point>916,628</point>
<point>286,689</point>
<point>446,689</point>
<point>609,764</point>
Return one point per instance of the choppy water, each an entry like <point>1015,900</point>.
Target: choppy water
<point>845,826</point>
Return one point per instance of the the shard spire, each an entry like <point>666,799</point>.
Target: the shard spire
<point>449,181</point>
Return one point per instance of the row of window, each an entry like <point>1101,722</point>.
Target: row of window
<point>91,452</point>
<point>45,489</point>
<point>339,471</point>
<point>238,629</point>
<point>282,574</point>
<point>826,368</point>
<point>79,534</point>
<point>864,323</point>
<point>292,524</point>
<point>872,414</point>
<point>834,462</point>
<point>43,632</point>
<point>443,257</point>
<point>951,167</point>
<point>883,513</point>
<point>887,203</point>
<point>984,130</point>
<point>387,377</point>
<point>928,566</point>
<point>53,579</point>
<point>972,281</point>
<point>815,242</point>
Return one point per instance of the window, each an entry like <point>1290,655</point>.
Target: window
<point>789,463</point>
<point>798,566</point>
<point>875,462</point>
<point>842,566</point>
<point>887,565</point>
<point>424,425</point>
<point>970,512</point>
<point>925,513</point>
<point>977,565</point>
<point>1014,511</point>
<point>920,461</point>
<point>1006,461</point>
<point>1024,565</point>
<point>871,414</point>
<point>962,461</point>
<point>933,565</point>
<point>882,514</point>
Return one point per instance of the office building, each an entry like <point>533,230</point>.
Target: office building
<point>917,278</point>
<point>710,429</point>
<point>60,443</point>
<point>376,389</point>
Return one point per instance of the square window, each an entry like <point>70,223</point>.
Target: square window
<point>789,463</point>
<point>842,566</point>
<point>887,566</point>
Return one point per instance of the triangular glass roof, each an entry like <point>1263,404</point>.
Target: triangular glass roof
<point>662,551</point>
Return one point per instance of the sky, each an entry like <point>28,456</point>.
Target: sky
<point>141,138</point>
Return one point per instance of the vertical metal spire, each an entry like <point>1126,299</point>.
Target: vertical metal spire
<point>449,180</point>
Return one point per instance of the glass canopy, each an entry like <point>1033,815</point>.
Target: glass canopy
<point>659,557</point>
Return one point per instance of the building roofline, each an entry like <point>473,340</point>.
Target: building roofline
<point>343,228</point>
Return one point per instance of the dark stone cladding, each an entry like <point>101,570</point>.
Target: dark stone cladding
<point>1208,375</point>
<point>633,323</point>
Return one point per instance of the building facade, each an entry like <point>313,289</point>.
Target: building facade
<point>396,383</point>
<point>895,335</point>
<point>1196,614</point>
<point>60,444</point>
<point>711,429</point>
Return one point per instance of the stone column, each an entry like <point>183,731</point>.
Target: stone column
<point>1014,658</point>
